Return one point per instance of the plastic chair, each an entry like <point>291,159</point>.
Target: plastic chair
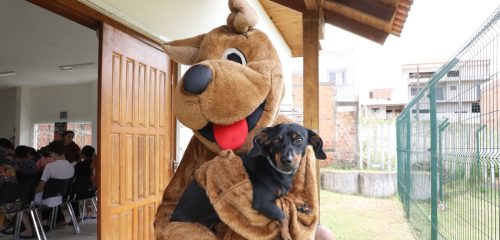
<point>16,198</point>
<point>90,194</point>
<point>58,187</point>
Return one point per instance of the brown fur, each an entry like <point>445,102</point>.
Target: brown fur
<point>234,92</point>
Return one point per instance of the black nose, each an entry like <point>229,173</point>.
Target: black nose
<point>287,160</point>
<point>196,79</point>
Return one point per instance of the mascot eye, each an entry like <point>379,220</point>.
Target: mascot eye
<point>277,141</point>
<point>298,141</point>
<point>235,55</point>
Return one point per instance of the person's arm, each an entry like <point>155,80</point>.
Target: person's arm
<point>43,179</point>
<point>40,186</point>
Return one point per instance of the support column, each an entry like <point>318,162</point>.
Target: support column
<point>310,33</point>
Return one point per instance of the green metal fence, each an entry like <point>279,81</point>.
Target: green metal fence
<point>448,144</point>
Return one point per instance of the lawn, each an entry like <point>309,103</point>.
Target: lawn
<point>357,218</point>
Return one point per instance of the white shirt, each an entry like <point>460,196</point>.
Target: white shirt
<point>59,169</point>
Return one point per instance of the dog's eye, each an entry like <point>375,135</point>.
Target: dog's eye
<point>276,141</point>
<point>298,141</point>
<point>235,55</point>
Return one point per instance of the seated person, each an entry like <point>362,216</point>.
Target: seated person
<point>59,169</point>
<point>8,149</point>
<point>24,163</point>
<point>7,174</point>
<point>83,185</point>
<point>44,160</point>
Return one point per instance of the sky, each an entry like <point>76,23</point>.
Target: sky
<point>434,31</point>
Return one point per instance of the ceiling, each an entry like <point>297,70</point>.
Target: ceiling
<point>35,42</point>
<point>372,19</point>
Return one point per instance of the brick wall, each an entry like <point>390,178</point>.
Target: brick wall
<point>337,129</point>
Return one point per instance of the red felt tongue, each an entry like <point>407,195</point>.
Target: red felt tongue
<point>231,136</point>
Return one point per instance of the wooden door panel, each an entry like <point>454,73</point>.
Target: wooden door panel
<point>135,134</point>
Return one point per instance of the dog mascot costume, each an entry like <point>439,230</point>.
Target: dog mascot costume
<point>233,89</point>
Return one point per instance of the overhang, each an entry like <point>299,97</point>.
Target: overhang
<point>372,19</point>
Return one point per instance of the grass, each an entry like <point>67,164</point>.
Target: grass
<point>358,218</point>
<point>474,214</point>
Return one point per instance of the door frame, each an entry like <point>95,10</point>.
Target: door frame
<point>80,13</point>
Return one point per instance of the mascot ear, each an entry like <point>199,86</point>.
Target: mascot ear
<point>317,143</point>
<point>260,142</point>
<point>242,17</point>
<point>184,51</point>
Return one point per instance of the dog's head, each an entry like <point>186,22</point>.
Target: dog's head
<point>235,85</point>
<point>285,145</point>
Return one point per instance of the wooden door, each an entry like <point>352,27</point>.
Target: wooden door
<point>135,134</point>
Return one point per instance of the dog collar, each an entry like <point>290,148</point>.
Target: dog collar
<point>279,170</point>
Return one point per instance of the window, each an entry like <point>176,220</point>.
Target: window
<point>453,87</point>
<point>44,133</point>
<point>338,78</point>
<point>439,93</point>
<point>375,110</point>
<point>420,111</point>
<point>476,108</point>
<point>453,73</point>
<point>478,92</point>
<point>414,91</point>
<point>371,95</point>
<point>420,74</point>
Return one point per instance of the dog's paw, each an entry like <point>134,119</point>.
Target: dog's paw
<point>303,208</point>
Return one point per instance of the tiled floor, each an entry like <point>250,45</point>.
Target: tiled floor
<point>88,231</point>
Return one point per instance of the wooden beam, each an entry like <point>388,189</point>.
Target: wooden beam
<point>310,27</point>
<point>356,27</point>
<point>321,29</point>
<point>311,5</point>
<point>374,8</point>
<point>293,4</point>
<point>311,21</point>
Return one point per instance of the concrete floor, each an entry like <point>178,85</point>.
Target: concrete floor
<point>88,231</point>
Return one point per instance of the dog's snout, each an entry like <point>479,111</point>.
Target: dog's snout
<point>288,159</point>
<point>196,79</point>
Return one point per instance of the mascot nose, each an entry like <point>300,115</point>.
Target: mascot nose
<point>196,79</point>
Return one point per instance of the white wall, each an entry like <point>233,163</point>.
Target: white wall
<point>43,105</point>
<point>8,109</point>
<point>23,117</point>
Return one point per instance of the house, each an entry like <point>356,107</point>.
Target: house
<point>381,104</point>
<point>458,92</point>
<point>490,102</point>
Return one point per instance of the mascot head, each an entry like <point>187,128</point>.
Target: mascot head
<point>235,84</point>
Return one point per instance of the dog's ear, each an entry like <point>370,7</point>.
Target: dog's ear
<point>260,142</point>
<point>317,144</point>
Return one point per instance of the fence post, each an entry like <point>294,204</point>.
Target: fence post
<point>408,164</point>
<point>434,160</point>
<point>442,127</point>
<point>399,155</point>
<point>477,174</point>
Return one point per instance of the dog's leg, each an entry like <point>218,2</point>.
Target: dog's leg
<point>271,211</point>
<point>284,231</point>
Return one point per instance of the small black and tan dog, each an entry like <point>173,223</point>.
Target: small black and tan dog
<point>271,165</point>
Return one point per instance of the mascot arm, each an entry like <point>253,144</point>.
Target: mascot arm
<point>230,192</point>
<point>196,154</point>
